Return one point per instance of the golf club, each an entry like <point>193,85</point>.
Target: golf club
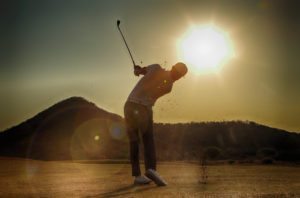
<point>118,24</point>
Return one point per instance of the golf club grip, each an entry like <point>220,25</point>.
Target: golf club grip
<point>126,46</point>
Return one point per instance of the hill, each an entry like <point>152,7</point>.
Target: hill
<point>65,130</point>
<point>77,129</point>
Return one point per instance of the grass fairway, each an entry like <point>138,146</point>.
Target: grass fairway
<point>30,178</point>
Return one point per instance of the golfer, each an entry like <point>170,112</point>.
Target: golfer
<point>155,83</point>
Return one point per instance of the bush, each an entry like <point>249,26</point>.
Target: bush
<point>231,161</point>
<point>246,161</point>
<point>267,153</point>
<point>211,153</point>
<point>267,160</point>
<point>233,153</point>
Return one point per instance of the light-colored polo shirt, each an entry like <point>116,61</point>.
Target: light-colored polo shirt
<point>154,84</point>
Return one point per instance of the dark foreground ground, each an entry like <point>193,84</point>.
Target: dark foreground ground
<point>30,178</point>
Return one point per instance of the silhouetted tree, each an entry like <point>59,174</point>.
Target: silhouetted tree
<point>267,155</point>
<point>209,153</point>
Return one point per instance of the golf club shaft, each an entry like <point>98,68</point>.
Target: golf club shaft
<point>126,45</point>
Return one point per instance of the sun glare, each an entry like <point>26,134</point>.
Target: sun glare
<point>205,48</point>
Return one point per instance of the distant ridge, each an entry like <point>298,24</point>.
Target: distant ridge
<point>77,129</point>
<point>239,140</point>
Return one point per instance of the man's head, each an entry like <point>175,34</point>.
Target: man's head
<point>178,70</point>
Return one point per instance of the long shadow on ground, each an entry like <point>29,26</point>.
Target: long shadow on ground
<point>126,190</point>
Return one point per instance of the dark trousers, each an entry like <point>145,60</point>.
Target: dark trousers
<point>139,120</point>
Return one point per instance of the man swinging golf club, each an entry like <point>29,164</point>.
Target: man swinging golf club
<point>155,83</point>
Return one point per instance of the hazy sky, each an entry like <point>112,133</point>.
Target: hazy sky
<point>52,50</point>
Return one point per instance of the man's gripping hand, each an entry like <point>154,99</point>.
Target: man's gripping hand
<point>139,70</point>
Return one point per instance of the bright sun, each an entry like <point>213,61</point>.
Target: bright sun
<point>205,48</point>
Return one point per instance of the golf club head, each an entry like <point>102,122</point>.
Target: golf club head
<point>118,22</point>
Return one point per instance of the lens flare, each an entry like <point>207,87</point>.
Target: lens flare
<point>96,137</point>
<point>86,143</point>
<point>117,131</point>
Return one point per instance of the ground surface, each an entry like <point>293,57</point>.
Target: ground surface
<point>29,178</point>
